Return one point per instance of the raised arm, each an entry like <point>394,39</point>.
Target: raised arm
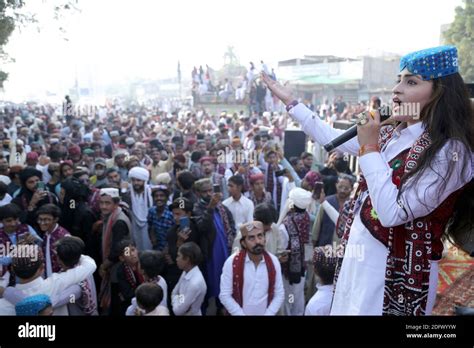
<point>319,131</point>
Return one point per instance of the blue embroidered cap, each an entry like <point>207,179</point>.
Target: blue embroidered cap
<point>31,306</point>
<point>432,63</point>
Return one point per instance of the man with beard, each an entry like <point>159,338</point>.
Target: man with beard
<point>160,218</point>
<point>209,172</point>
<point>115,228</point>
<point>115,180</point>
<point>217,229</point>
<point>140,201</point>
<point>251,281</point>
<point>276,237</point>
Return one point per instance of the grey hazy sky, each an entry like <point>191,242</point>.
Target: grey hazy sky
<point>113,40</point>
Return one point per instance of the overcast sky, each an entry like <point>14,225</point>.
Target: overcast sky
<point>122,39</point>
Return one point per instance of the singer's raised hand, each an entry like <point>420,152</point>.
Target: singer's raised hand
<point>281,92</point>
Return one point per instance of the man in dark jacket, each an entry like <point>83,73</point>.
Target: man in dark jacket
<point>217,229</point>
<point>32,196</point>
<point>177,235</point>
<point>116,227</point>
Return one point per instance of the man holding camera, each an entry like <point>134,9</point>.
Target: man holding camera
<point>32,196</point>
<point>278,181</point>
<point>217,228</point>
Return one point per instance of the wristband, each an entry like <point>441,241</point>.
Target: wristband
<point>368,148</point>
<point>291,105</point>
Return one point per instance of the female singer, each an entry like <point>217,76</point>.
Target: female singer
<point>413,172</point>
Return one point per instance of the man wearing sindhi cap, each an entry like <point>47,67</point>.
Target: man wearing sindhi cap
<point>29,269</point>
<point>251,281</point>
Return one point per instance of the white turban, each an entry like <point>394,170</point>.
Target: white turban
<point>163,178</point>
<point>139,173</point>
<point>112,192</point>
<point>298,197</point>
<point>120,152</point>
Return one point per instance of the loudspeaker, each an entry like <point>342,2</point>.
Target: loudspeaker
<point>295,143</point>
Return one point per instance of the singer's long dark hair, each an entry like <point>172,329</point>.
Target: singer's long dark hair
<point>448,115</point>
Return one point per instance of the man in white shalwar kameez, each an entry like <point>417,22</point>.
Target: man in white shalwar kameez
<point>294,221</point>
<point>140,203</point>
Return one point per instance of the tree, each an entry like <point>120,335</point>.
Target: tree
<point>461,35</point>
<point>7,25</point>
<point>12,17</point>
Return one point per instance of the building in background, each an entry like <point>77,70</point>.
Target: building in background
<point>316,78</point>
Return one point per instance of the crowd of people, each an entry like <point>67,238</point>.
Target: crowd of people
<point>148,212</point>
<point>247,89</point>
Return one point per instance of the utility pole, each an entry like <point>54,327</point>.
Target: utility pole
<point>179,79</point>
